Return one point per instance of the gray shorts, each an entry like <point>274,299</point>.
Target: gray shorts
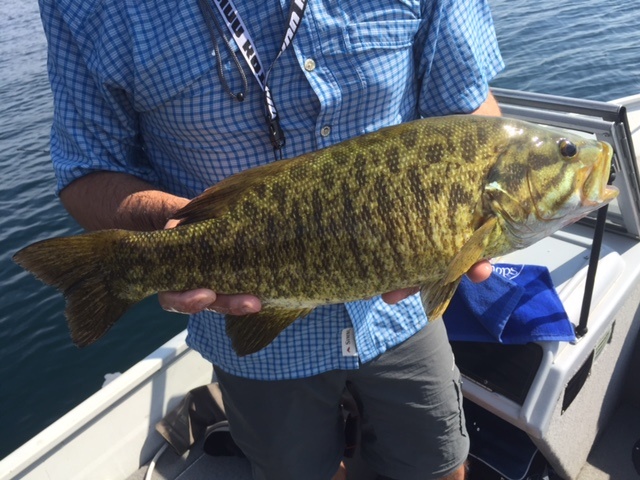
<point>412,423</point>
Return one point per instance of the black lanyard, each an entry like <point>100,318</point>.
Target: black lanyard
<point>241,36</point>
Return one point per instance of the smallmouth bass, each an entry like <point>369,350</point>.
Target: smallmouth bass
<point>413,204</point>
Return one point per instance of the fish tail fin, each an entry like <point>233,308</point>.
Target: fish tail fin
<point>79,267</point>
<point>251,333</point>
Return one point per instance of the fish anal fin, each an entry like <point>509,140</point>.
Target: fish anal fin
<point>251,333</point>
<point>218,199</point>
<point>436,297</point>
<point>471,252</point>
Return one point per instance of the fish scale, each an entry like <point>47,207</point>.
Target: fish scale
<point>411,205</point>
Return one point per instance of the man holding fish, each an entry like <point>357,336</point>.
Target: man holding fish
<point>157,101</point>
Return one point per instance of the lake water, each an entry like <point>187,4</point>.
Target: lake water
<point>588,49</point>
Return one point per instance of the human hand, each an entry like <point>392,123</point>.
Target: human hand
<point>194,301</point>
<point>479,272</point>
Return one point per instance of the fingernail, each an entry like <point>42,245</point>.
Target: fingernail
<point>247,308</point>
<point>172,310</point>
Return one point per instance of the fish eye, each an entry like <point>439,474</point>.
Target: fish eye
<point>567,148</point>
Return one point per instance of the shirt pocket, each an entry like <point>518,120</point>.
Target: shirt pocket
<point>385,35</point>
<point>380,56</point>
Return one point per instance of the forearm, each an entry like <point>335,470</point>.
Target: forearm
<point>489,107</point>
<point>104,200</point>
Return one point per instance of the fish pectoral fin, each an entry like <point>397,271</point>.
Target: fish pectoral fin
<point>436,297</point>
<point>251,333</point>
<point>471,252</point>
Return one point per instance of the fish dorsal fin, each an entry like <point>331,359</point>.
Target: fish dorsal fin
<point>215,201</point>
<point>471,252</point>
<point>251,333</point>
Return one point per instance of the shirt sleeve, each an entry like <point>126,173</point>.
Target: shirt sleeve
<point>95,127</point>
<point>457,55</point>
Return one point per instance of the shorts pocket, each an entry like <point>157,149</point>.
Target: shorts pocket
<point>458,386</point>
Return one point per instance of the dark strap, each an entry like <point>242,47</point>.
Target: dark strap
<point>247,47</point>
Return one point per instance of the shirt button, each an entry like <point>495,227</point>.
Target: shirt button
<point>309,64</point>
<point>325,131</point>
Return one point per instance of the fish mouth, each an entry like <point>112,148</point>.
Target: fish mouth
<point>595,189</point>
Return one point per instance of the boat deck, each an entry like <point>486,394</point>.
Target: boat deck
<point>611,458</point>
<point>195,464</point>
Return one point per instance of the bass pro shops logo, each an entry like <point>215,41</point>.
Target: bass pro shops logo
<point>508,271</point>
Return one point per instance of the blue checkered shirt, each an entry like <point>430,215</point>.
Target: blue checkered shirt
<point>136,91</point>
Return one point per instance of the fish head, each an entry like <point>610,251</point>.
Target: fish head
<point>546,178</point>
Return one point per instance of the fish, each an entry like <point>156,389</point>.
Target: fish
<point>416,204</point>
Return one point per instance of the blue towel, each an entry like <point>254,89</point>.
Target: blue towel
<point>518,304</point>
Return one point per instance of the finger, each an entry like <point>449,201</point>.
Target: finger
<point>398,295</point>
<point>192,301</point>
<point>172,222</point>
<point>236,304</point>
<point>480,271</point>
